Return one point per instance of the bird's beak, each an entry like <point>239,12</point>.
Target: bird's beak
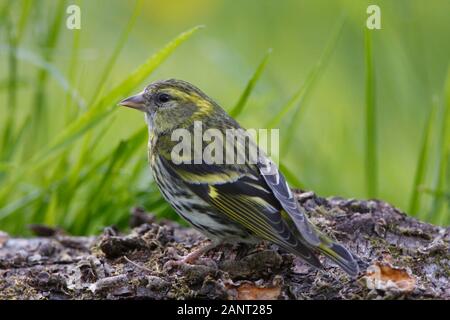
<point>136,102</point>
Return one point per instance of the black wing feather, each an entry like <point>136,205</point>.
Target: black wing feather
<point>277,183</point>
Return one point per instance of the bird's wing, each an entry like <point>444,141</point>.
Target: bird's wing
<point>277,183</point>
<point>241,194</point>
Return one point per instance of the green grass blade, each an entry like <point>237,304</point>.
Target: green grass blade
<point>84,176</point>
<point>86,216</point>
<point>23,19</point>
<point>21,83</point>
<point>15,34</point>
<point>419,179</point>
<point>71,113</point>
<point>38,128</point>
<point>117,160</point>
<point>371,123</point>
<point>299,96</point>
<point>239,106</point>
<point>11,148</point>
<point>36,61</point>
<point>97,93</point>
<point>8,132</point>
<point>99,112</point>
<point>19,204</point>
<point>94,115</point>
<point>51,214</point>
<point>113,58</point>
<point>140,74</point>
<point>440,211</point>
<point>5,10</point>
<point>437,193</point>
<point>297,101</point>
<point>446,214</point>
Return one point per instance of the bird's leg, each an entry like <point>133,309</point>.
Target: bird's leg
<point>302,196</point>
<point>196,254</point>
<point>192,257</point>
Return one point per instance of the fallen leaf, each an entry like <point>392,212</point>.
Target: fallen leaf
<point>250,291</point>
<point>383,276</point>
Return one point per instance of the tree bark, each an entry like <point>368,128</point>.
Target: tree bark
<point>400,257</point>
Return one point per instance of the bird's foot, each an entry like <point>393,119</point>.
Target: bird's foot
<point>192,258</point>
<point>302,196</point>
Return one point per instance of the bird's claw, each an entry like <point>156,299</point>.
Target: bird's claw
<point>171,264</point>
<point>191,258</point>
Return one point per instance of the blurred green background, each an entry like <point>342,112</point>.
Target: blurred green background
<point>362,114</point>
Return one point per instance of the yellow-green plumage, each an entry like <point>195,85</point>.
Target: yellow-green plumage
<point>227,202</point>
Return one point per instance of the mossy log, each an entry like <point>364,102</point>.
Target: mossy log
<point>400,257</point>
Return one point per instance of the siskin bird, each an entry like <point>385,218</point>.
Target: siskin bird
<point>228,202</point>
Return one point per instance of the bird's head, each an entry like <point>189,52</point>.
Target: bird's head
<point>171,104</point>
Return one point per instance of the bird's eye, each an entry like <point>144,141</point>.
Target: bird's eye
<point>163,97</point>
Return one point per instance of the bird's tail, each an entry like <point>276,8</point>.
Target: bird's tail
<point>341,256</point>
